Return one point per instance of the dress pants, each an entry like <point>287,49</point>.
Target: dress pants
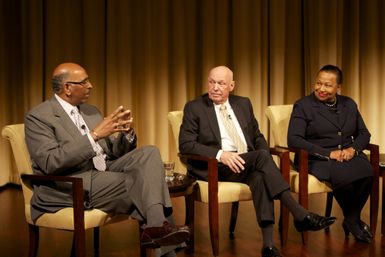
<point>131,184</point>
<point>264,179</point>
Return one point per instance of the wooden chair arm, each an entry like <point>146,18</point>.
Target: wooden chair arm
<point>303,172</point>
<point>77,193</point>
<point>374,159</point>
<point>212,168</point>
<point>284,164</point>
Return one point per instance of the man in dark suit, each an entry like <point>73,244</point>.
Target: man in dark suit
<point>66,136</point>
<point>221,125</point>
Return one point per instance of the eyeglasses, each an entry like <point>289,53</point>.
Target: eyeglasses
<point>82,83</point>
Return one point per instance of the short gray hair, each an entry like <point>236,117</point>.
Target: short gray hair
<point>57,82</point>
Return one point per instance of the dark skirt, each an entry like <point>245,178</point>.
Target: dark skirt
<point>341,173</point>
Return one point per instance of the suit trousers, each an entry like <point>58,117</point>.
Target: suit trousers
<point>132,184</point>
<point>263,177</point>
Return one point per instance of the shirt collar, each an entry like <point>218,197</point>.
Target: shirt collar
<point>66,106</point>
<point>227,104</point>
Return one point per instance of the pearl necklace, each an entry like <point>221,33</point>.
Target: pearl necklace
<point>332,104</point>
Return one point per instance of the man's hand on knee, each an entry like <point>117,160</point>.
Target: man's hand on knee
<point>234,161</point>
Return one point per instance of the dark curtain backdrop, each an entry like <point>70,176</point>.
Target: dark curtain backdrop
<point>154,55</point>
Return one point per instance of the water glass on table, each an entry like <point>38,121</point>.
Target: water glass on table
<point>169,170</point>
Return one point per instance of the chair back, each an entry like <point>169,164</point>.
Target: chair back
<point>16,136</point>
<point>175,120</point>
<point>279,117</point>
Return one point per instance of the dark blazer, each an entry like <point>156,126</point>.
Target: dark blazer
<point>319,130</point>
<point>199,132</point>
<point>57,147</point>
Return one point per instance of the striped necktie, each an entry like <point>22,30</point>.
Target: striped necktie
<point>98,160</point>
<point>231,130</point>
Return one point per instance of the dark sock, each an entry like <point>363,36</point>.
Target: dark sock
<point>267,235</point>
<point>155,216</point>
<point>299,213</point>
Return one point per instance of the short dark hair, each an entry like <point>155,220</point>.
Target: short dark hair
<point>57,82</point>
<point>333,69</point>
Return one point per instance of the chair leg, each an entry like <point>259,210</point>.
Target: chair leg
<point>214,226</point>
<point>96,241</point>
<point>189,221</point>
<point>79,243</point>
<point>33,240</point>
<point>383,204</point>
<point>233,218</point>
<point>284,224</point>
<point>329,205</point>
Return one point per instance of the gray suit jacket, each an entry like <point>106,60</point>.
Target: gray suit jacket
<point>57,148</point>
<point>199,132</point>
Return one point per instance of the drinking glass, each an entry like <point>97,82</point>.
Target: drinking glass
<point>169,170</point>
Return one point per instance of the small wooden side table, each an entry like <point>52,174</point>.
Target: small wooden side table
<point>184,185</point>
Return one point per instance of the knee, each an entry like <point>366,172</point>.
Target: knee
<point>151,149</point>
<point>262,156</point>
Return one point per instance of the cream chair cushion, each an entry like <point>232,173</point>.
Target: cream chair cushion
<point>279,117</point>
<point>227,191</point>
<point>63,219</point>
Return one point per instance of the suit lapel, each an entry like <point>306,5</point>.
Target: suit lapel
<point>343,112</point>
<point>327,114</point>
<point>63,118</point>
<point>212,118</point>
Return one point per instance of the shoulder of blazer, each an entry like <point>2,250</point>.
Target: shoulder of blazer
<point>347,101</point>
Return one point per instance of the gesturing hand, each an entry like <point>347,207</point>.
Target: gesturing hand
<point>233,160</point>
<point>119,120</point>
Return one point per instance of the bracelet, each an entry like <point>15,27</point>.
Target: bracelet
<point>96,135</point>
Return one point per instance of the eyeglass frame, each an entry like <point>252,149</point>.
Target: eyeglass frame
<point>82,83</point>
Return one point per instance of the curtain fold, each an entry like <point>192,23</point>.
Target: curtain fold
<point>152,56</point>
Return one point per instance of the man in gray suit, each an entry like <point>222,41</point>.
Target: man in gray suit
<point>66,136</point>
<point>222,125</point>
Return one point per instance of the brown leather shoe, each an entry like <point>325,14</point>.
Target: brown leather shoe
<point>168,234</point>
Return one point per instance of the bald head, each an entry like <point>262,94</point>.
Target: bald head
<point>63,72</point>
<point>223,70</point>
<point>220,84</point>
<point>70,82</point>
<point>66,68</point>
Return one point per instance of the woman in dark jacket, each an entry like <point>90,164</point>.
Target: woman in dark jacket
<point>330,127</point>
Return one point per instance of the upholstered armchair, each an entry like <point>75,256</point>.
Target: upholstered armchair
<point>214,192</point>
<point>303,183</point>
<point>74,219</point>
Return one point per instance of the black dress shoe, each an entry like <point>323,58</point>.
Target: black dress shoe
<point>357,232</point>
<point>168,234</point>
<point>366,229</point>
<point>313,222</point>
<point>271,251</point>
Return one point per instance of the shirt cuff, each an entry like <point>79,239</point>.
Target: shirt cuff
<point>219,154</point>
